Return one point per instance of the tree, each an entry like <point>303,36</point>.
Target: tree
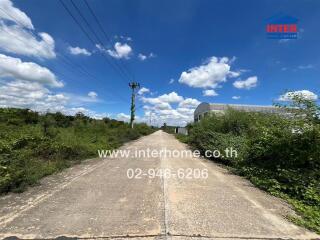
<point>47,122</point>
<point>303,109</point>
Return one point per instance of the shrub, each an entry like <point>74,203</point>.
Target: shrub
<point>278,153</point>
<point>33,146</point>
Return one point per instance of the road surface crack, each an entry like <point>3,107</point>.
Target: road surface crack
<point>158,236</point>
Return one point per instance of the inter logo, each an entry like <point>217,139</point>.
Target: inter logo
<point>282,27</point>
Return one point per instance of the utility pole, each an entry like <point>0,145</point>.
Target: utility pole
<point>133,86</point>
<point>150,119</point>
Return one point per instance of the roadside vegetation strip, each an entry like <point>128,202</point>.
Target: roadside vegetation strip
<point>33,146</point>
<point>279,154</point>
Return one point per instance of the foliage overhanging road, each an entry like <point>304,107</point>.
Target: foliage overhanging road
<point>97,199</point>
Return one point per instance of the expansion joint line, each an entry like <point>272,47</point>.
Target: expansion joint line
<point>163,165</point>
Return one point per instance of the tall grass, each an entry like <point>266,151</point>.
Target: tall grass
<point>33,146</point>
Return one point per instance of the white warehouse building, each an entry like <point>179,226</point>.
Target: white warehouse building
<point>205,108</point>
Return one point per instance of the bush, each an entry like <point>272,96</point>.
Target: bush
<point>278,153</point>
<point>33,146</point>
<point>214,133</point>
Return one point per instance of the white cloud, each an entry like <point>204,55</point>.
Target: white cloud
<point>11,67</point>
<point>162,112</point>
<point>9,12</point>
<point>143,90</point>
<point>236,97</point>
<point>33,95</point>
<point>123,117</point>
<point>306,94</point>
<point>123,38</point>
<point>249,83</point>
<point>79,51</point>
<point>14,39</point>
<point>172,97</point>
<point>163,106</point>
<point>142,57</point>
<point>309,66</point>
<point>18,35</point>
<point>189,103</point>
<point>120,51</point>
<point>210,74</point>
<point>92,94</point>
<point>173,117</point>
<point>23,94</point>
<point>171,81</point>
<point>209,93</point>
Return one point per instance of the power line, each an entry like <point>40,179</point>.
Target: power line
<point>65,59</point>
<point>104,33</point>
<point>121,68</point>
<point>77,22</point>
<point>88,36</point>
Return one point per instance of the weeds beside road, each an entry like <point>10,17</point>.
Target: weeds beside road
<point>278,154</point>
<point>33,146</point>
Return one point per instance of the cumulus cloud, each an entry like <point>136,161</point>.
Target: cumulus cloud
<point>210,74</point>
<point>11,13</point>
<point>143,57</point>
<point>18,35</point>
<point>14,68</point>
<point>236,97</point>
<point>120,51</point>
<point>172,97</point>
<point>79,51</point>
<point>249,83</point>
<point>170,108</point>
<point>172,117</point>
<point>14,39</point>
<point>123,117</point>
<point>35,96</point>
<point>162,106</point>
<point>92,94</point>
<point>306,94</point>
<point>171,81</point>
<point>209,93</point>
<point>189,103</point>
<point>143,90</point>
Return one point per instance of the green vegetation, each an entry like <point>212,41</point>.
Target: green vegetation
<point>168,129</point>
<point>280,154</point>
<point>33,145</point>
<point>182,138</point>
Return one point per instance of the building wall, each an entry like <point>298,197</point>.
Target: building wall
<point>201,110</point>
<point>206,108</point>
<point>181,130</point>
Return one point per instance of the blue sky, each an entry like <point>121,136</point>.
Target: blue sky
<point>178,50</point>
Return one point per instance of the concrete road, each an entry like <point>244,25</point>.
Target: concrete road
<point>97,200</point>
